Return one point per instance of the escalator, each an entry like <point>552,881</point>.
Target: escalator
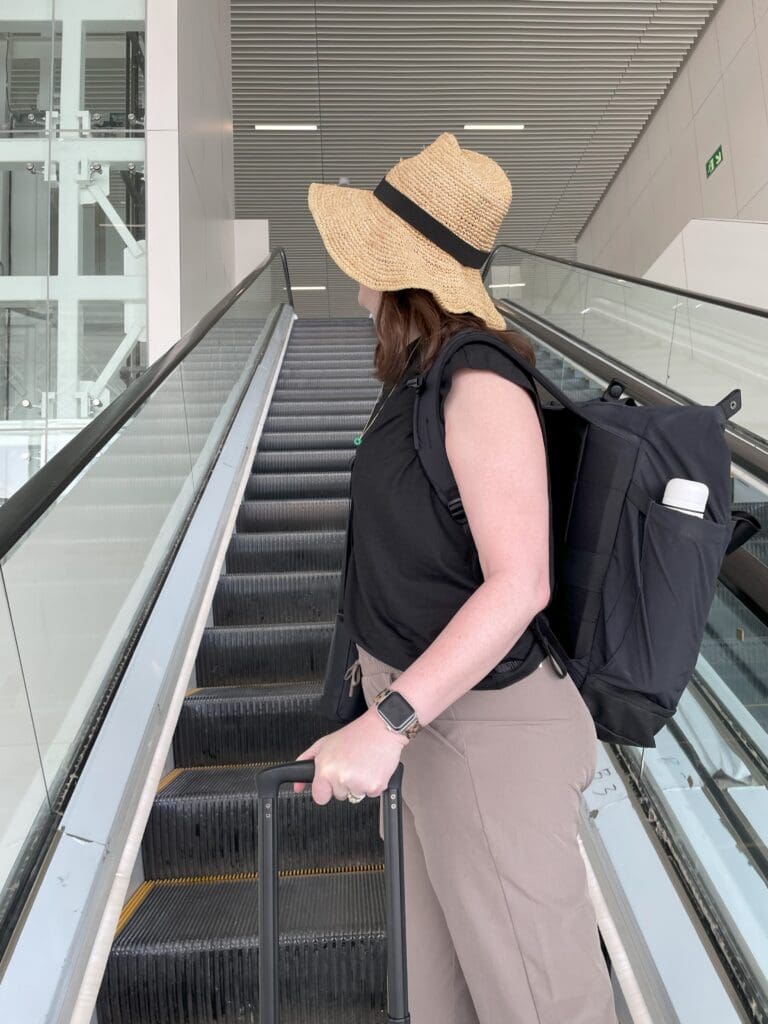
<point>187,947</point>
<point>676,837</point>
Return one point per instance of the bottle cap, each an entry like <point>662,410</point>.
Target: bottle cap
<point>686,495</point>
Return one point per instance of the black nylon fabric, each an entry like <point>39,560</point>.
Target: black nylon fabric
<point>634,580</point>
<point>412,565</point>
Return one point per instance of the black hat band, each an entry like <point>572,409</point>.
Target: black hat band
<point>432,229</point>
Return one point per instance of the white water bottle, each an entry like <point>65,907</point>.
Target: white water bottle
<point>687,496</point>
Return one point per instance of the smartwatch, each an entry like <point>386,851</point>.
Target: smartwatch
<point>397,713</point>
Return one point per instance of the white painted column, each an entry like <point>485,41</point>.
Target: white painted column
<point>163,231</point>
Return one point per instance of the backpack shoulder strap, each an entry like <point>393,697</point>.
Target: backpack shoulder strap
<point>429,429</point>
<point>429,442</point>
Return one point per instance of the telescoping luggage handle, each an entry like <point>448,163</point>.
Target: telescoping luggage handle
<point>268,782</point>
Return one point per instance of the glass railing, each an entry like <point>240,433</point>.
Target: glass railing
<point>77,566</point>
<point>699,347</point>
<point>705,784</point>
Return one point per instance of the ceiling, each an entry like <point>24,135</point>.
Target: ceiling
<point>383,79</point>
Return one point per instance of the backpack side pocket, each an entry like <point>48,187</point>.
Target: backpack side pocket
<point>659,591</point>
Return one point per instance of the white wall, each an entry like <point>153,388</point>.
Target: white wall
<point>251,245</point>
<point>162,178</point>
<point>190,177</point>
<point>720,97</point>
<point>726,258</point>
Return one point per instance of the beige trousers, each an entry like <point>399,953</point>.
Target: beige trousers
<point>500,928</point>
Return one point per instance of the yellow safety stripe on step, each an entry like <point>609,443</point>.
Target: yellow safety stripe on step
<point>239,764</point>
<point>166,780</point>
<point>133,905</point>
<point>252,876</point>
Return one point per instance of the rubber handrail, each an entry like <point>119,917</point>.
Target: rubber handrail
<point>657,285</point>
<point>20,512</point>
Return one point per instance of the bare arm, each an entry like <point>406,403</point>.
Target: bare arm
<point>496,452</point>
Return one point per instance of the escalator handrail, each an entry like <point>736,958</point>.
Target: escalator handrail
<point>739,307</point>
<point>25,506</point>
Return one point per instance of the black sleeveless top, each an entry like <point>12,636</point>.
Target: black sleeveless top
<point>411,565</point>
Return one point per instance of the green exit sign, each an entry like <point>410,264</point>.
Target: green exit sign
<point>714,161</point>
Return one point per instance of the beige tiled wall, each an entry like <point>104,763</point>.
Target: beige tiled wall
<point>720,97</point>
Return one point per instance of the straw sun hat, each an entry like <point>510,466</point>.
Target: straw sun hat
<point>430,223</point>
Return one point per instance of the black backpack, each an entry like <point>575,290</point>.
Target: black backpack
<point>632,580</point>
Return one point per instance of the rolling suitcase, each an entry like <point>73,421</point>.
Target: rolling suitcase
<point>268,782</point>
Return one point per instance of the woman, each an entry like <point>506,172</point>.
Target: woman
<point>499,924</point>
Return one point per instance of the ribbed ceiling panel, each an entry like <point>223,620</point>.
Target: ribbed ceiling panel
<point>384,79</point>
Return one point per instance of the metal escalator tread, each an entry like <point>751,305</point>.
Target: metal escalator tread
<point>286,550</point>
<point>186,950</point>
<point>273,597</point>
<point>242,655</point>
<point>216,804</point>
<point>235,724</point>
<point>201,939</point>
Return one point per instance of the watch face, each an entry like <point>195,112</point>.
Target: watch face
<point>396,709</point>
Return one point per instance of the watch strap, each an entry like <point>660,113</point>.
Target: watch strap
<point>410,730</point>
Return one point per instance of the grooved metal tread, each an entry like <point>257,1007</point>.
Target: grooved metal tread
<point>188,951</point>
<point>204,821</point>
<point>260,693</point>
<point>241,724</point>
<point>203,912</point>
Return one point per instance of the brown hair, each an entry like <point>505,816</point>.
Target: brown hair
<point>400,311</point>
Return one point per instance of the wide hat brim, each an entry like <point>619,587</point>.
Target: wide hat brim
<point>373,245</point>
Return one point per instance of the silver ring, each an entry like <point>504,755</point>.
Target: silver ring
<point>354,798</point>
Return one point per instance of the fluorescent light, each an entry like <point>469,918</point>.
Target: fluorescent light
<point>285,127</point>
<point>587,310</point>
<point>306,288</point>
<point>494,127</point>
<point>509,284</point>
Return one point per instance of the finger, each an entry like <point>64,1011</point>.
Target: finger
<point>307,755</point>
<point>322,791</point>
<point>340,791</point>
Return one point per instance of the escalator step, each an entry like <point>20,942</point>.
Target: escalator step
<point>296,514</point>
<point>245,655</point>
<point>329,360</point>
<point>327,407</point>
<point>306,393</point>
<point>287,551</point>
<point>257,599</point>
<point>297,485</point>
<point>204,821</point>
<point>290,424</point>
<point>275,440</point>
<point>325,373</point>
<point>315,460</point>
<point>229,725</point>
<point>188,951</point>
<point>306,381</point>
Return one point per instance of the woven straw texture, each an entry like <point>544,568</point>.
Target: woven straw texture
<point>466,191</point>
